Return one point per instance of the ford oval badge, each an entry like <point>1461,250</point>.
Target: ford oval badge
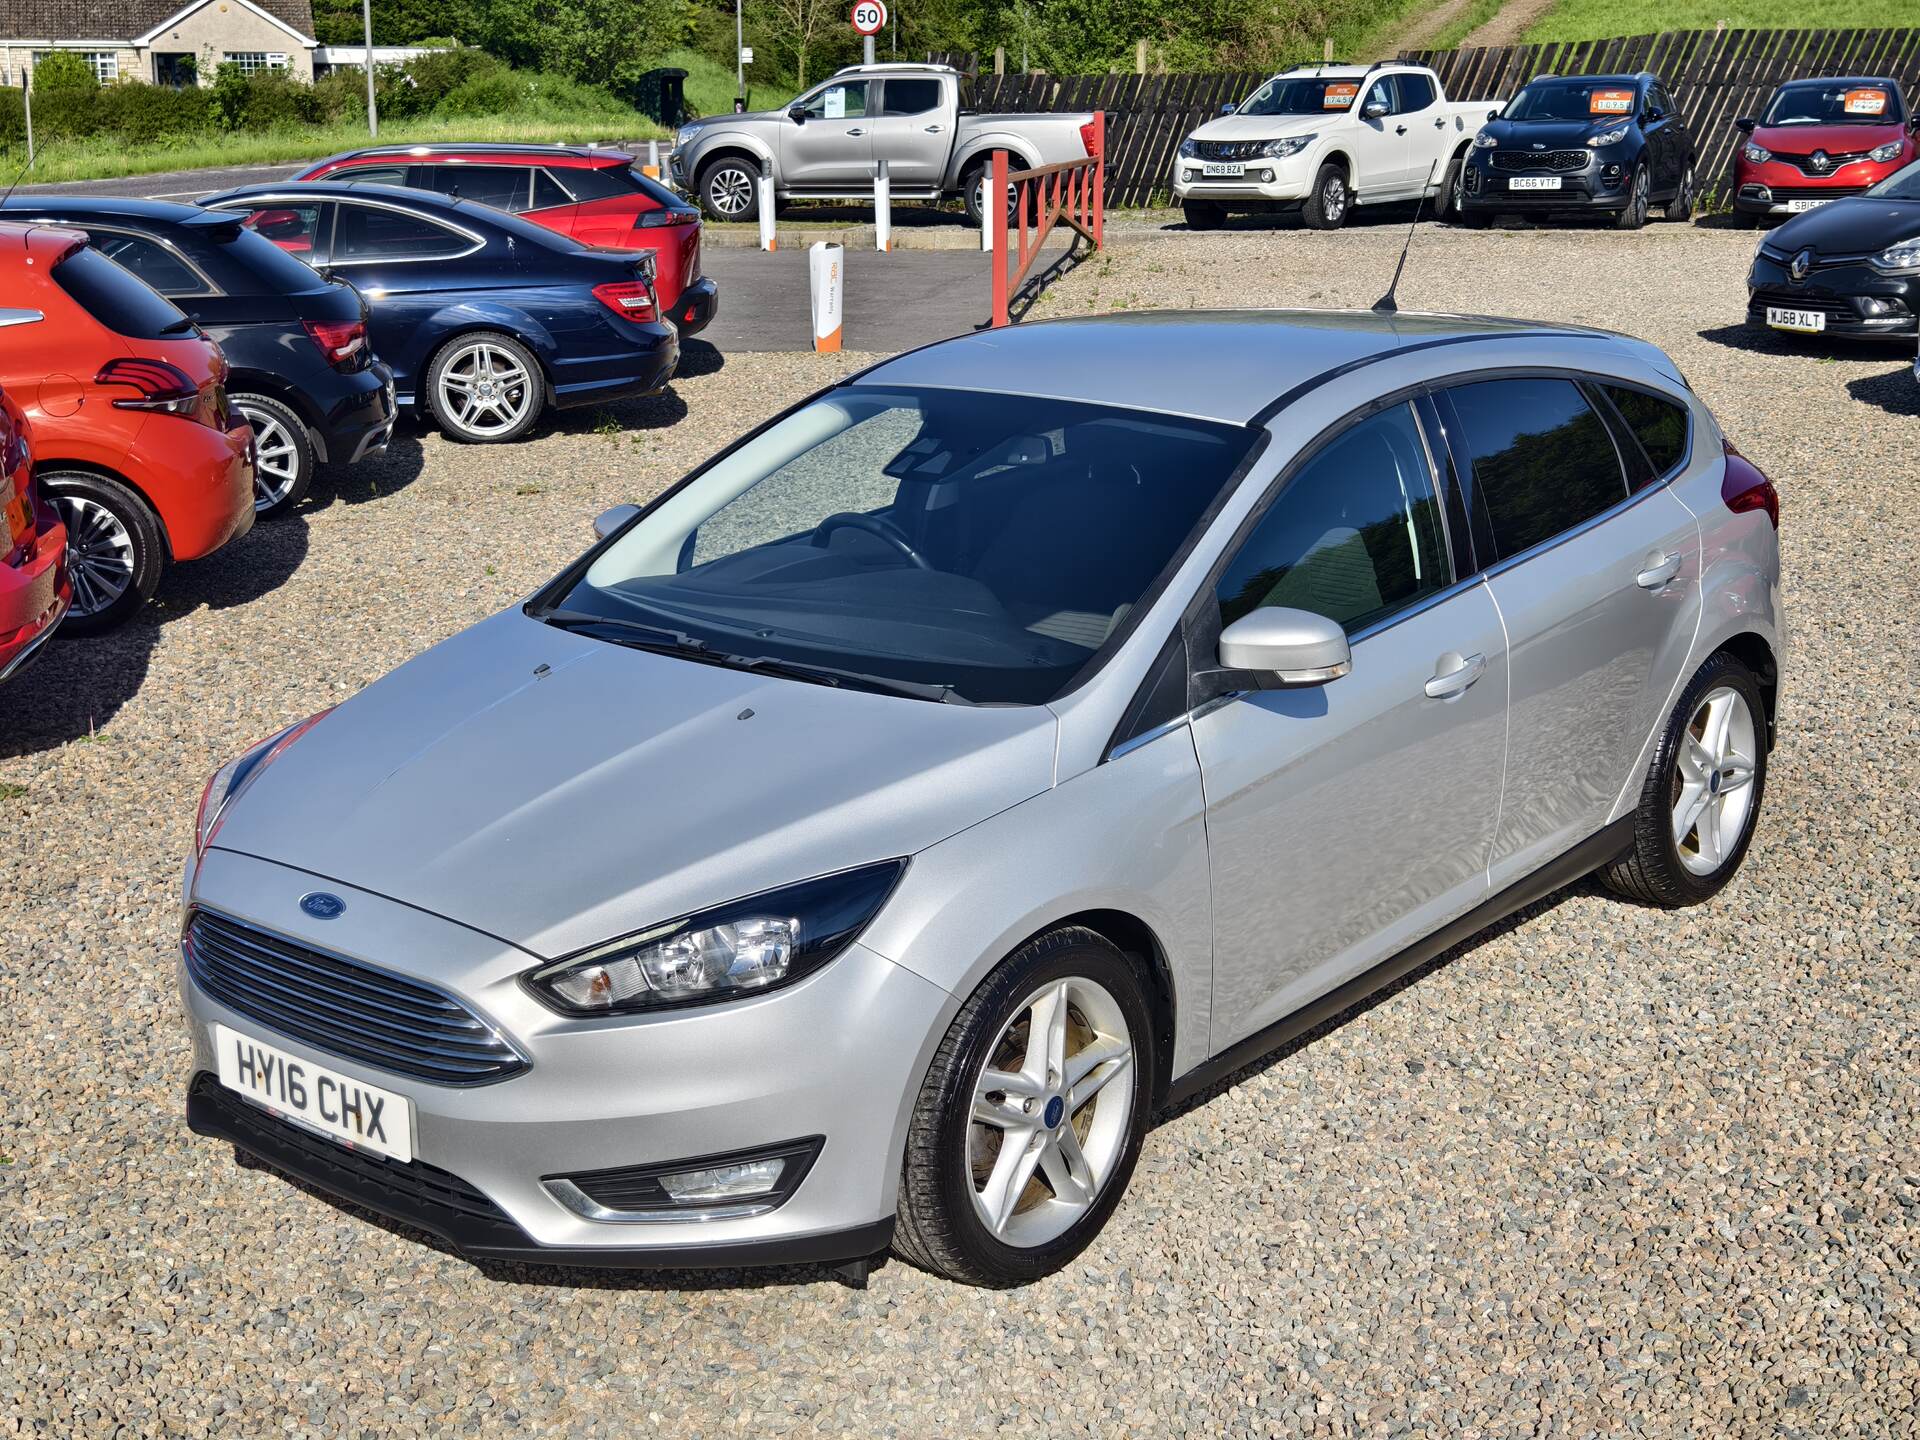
<point>322,906</point>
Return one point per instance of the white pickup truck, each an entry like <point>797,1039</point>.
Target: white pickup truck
<point>1325,138</point>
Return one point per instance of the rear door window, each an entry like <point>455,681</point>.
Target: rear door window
<point>547,192</point>
<point>1416,93</point>
<point>1659,425</point>
<point>504,187</point>
<point>909,97</point>
<point>152,262</point>
<point>597,182</point>
<point>295,227</point>
<point>1541,461</point>
<point>370,175</point>
<point>113,296</point>
<point>364,233</point>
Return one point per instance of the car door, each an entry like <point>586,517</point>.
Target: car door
<point>1657,125</point>
<point>1379,143</point>
<point>1346,821</point>
<point>832,148</point>
<point>1599,589</point>
<point>913,132</point>
<point>1418,108</point>
<point>408,267</point>
<point>1679,138</point>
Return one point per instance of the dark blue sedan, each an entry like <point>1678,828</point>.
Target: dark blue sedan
<point>485,318</point>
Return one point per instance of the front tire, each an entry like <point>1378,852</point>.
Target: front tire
<point>1031,1116</point>
<point>115,551</point>
<point>1329,201</point>
<point>730,190</point>
<point>284,461</point>
<point>485,388</point>
<point>1639,201</point>
<point>1701,799</point>
<point>1204,214</point>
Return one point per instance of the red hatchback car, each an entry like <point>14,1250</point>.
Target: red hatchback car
<point>34,592</point>
<point>126,406</point>
<point>599,197</point>
<point>1820,140</point>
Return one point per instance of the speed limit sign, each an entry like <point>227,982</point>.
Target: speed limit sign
<point>869,17</point>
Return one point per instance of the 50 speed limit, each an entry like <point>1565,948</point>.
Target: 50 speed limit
<point>869,17</point>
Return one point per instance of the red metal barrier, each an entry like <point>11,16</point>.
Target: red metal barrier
<point>1071,194</point>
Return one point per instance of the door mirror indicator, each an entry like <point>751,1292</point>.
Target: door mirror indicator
<point>608,521</point>
<point>1291,647</point>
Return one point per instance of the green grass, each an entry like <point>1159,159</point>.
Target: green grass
<point>1465,23</point>
<point>100,158</point>
<point>1368,32</point>
<point>710,87</point>
<point>1603,19</point>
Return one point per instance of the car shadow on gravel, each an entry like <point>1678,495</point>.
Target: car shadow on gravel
<point>1897,394</point>
<point>1758,340</point>
<point>647,412</point>
<point>699,357</point>
<point>374,478</point>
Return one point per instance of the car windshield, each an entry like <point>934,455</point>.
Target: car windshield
<point>1834,104</point>
<point>1579,100</point>
<point>1901,185</point>
<point>1314,96</point>
<point>949,544</point>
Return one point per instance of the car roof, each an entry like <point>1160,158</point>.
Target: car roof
<point>1635,79</point>
<point>81,208</point>
<point>504,149</point>
<point>38,241</point>
<point>1227,365</point>
<point>404,195</point>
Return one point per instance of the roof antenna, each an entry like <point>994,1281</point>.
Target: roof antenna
<point>1386,304</point>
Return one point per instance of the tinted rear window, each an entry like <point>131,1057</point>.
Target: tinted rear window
<point>116,299</point>
<point>277,272</point>
<point>1659,425</point>
<point>1542,461</point>
<point>597,182</point>
<point>502,186</point>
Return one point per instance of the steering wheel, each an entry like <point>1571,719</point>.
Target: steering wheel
<point>880,529</point>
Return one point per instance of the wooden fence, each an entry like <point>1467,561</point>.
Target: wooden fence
<point>1715,77</point>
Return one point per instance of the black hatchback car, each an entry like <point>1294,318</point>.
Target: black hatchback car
<point>1851,268</point>
<point>1582,143</point>
<point>303,373</point>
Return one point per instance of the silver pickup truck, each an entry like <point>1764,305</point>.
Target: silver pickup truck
<point>828,142</point>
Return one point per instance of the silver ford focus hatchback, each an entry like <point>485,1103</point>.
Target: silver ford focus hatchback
<point>860,843</point>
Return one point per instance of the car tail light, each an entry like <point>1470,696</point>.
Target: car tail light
<point>1745,488</point>
<point>629,299</point>
<point>159,386</point>
<point>1086,137</point>
<point>676,215</point>
<point>343,342</point>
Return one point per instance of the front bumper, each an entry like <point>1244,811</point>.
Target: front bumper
<point>839,1054</point>
<point>1288,181</point>
<point>1601,186</point>
<point>1856,301</point>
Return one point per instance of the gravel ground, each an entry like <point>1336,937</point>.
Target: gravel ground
<point>1606,1170</point>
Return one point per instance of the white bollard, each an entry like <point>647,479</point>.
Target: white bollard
<point>766,206</point>
<point>882,208</point>
<point>652,168</point>
<point>986,214</point>
<point>825,266</point>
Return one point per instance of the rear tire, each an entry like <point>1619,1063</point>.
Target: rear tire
<point>1204,214</point>
<point>284,461</point>
<point>1446,198</point>
<point>1019,1150</point>
<point>115,550</point>
<point>730,190</point>
<point>468,411</point>
<point>1701,798</point>
<point>1330,200</point>
<point>1680,208</point>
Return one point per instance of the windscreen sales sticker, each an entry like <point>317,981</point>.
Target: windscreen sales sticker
<point>1338,97</point>
<point>1865,102</point>
<point>1610,102</point>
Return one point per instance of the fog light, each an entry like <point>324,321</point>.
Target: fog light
<point>706,1187</point>
<point>1870,306</point>
<point>724,1182</point>
<point>1263,176</point>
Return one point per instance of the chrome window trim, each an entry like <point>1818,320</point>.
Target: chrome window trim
<point>256,202</point>
<point>207,287</point>
<point>1149,735</point>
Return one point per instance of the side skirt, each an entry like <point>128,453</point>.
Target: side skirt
<point>1582,860</point>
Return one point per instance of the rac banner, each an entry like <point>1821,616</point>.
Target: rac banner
<point>826,266</point>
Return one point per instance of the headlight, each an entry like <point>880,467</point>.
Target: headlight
<point>1609,137</point>
<point>1759,155</point>
<point>740,948</point>
<point>1901,259</point>
<point>1888,151</point>
<point>1484,141</point>
<point>683,136</point>
<point>231,780</point>
<point>1189,148</point>
<point>1292,145</point>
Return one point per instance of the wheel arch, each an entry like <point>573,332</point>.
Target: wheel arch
<point>733,149</point>
<point>1752,650</point>
<point>276,387</point>
<point>44,464</point>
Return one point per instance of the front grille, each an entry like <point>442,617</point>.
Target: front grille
<point>1799,300</point>
<point>1552,161</point>
<point>343,1007</point>
<point>1229,149</point>
<point>1815,192</point>
<point>1804,163</point>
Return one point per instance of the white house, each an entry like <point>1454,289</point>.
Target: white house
<point>169,42</point>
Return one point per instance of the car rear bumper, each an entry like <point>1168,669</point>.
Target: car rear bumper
<point>695,306</point>
<point>200,481</point>
<point>640,360</point>
<point>34,595</point>
<point>360,423</point>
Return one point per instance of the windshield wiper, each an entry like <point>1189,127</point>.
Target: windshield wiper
<point>641,634</point>
<point>829,675</point>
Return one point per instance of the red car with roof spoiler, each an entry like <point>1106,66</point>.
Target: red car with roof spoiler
<point>1818,141</point>
<point>125,399</point>
<point>598,197</point>
<point>34,591</point>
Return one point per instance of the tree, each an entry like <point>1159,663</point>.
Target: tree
<point>796,28</point>
<point>63,71</point>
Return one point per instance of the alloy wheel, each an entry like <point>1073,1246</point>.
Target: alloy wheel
<point>99,553</point>
<point>1049,1127</point>
<point>277,459</point>
<point>1712,785</point>
<point>1334,198</point>
<point>1642,196</point>
<point>485,389</point>
<point>730,191</point>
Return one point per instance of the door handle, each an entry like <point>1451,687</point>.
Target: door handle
<point>1660,569</point>
<point>1399,129</point>
<point>1455,674</point>
<point>935,129</point>
<point>1440,123</point>
<point>856,131</point>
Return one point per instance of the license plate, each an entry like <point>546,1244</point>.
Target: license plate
<point>1811,321</point>
<point>1801,206</point>
<point>359,1115</point>
<point>1223,169</point>
<point>1534,182</point>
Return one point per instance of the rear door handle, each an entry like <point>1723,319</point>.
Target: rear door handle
<point>1440,123</point>
<point>936,129</point>
<point>856,131</point>
<point>1399,129</point>
<point>1660,570</point>
<point>1455,674</point>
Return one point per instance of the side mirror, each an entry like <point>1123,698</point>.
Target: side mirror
<point>608,521</point>
<point>797,114</point>
<point>1745,124</point>
<point>1228,108</point>
<point>1295,647</point>
<point>1375,109</point>
<point>1494,113</point>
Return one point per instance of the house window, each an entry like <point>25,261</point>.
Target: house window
<point>251,60</point>
<point>105,64</point>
